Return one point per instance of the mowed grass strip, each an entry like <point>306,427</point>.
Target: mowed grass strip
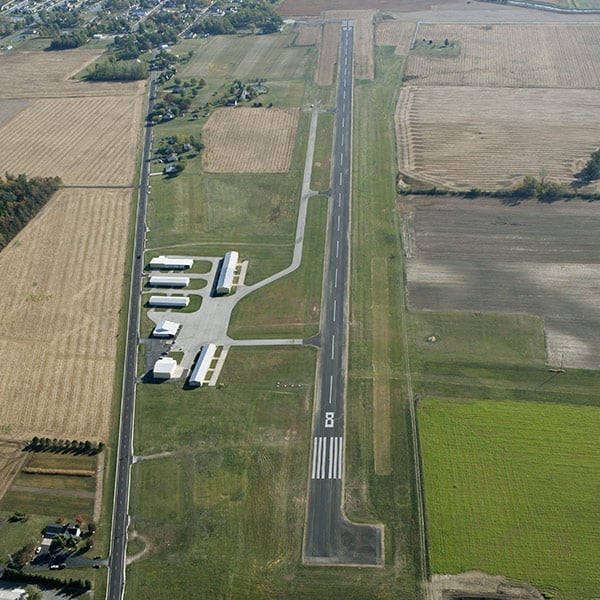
<point>321,168</point>
<point>381,370</point>
<point>289,307</point>
<point>512,488</point>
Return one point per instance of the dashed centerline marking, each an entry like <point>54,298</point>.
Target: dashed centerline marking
<point>338,223</point>
<point>336,274</point>
<point>334,309</point>
<point>337,248</point>
<point>330,388</point>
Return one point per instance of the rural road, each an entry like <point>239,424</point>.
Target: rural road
<point>329,537</point>
<point>118,544</point>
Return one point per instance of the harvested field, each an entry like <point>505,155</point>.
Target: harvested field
<point>301,8</point>
<point>10,108</point>
<point>488,137</point>
<point>250,140</point>
<point>308,35</point>
<point>396,33</point>
<point>328,54</point>
<point>480,255</point>
<point>86,141</point>
<point>502,56</point>
<point>364,57</point>
<point>60,316</point>
<point>46,75</point>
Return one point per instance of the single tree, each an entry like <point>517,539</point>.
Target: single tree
<point>33,592</point>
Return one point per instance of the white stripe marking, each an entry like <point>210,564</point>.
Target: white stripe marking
<point>330,388</point>
<point>335,455</point>
<point>323,457</point>
<point>332,347</point>
<point>337,247</point>
<point>338,227</point>
<point>336,274</point>
<point>334,309</point>
<point>314,465</point>
<point>340,179</point>
<point>340,454</point>
<point>330,472</point>
<point>341,159</point>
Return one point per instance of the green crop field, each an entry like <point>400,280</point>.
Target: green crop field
<point>512,488</point>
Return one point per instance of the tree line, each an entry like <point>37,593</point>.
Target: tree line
<point>20,200</point>
<point>118,70</point>
<point>44,444</point>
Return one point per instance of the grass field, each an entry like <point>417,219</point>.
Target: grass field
<point>328,50</point>
<point>321,168</point>
<point>511,488</point>
<point>289,307</point>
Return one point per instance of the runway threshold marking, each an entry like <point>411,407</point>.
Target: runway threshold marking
<point>327,460</point>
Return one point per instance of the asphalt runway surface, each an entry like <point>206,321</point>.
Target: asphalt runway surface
<point>329,537</point>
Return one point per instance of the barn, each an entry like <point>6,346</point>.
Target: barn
<point>225,281</point>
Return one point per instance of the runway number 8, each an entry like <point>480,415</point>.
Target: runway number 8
<point>329,419</point>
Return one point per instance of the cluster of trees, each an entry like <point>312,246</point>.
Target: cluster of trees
<point>180,144</point>
<point>66,41</point>
<point>20,200</point>
<point>118,70</point>
<point>44,444</point>
<point>255,14</point>
<point>75,585</point>
<point>591,171</point>
<point>531,187</point>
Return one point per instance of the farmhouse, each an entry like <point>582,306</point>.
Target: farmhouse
<point>168,262</point>
<point>198,374</point>
<point>166,281</point>
<point>225,281</point>
<point>166,329</point>
<point>53,529</point>
<point>164,368</point>
<point>169,301</point>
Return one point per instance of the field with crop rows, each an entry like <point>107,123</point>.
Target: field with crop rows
<point>250,140</point>
<point>488,137</point>
<point>515,55</point>
<point>512,488</point>
<point>85,141</point>
<point>61,315</point>
<point>47,75</point>
<point>395,33</point>
<point>328,54</point>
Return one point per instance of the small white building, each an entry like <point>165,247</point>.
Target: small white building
<point>166,281</point>
<point>203,364</point>
<point>166,329</point>
<point>167,262</point>
<point>169,301</point>
<point>164,368</point>
<point>225,281</point>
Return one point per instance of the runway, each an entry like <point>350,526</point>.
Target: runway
<point>329,537</point>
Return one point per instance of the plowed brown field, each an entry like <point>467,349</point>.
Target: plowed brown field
<point>515,55</point>
<point>328,54</point>
<point>59,308</point>
<point>46,75</point>
<point>86,141</point>
<point>396,33</point>
<point>490,137</point>
<point>250,140</point>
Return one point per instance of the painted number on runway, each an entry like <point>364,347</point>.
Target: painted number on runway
<point>329,416</point>
<point>327,458</point>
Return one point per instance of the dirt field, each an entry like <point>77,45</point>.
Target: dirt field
<point>501,55</point>
<point>481,255</point>
<point>46,75</point>
<point>64,274</point>
<point>490,137</point>
<point>10,108</point>
<point>11,459</point>
<point>329,44</point>
<point>250,140</point>
<point>395,33</point>
<point>364,65</point>
<point>85,141</point>
<point>300,8</point>
<point>308,35</point>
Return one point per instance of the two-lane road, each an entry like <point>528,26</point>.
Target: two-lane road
<point>329,536</point>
